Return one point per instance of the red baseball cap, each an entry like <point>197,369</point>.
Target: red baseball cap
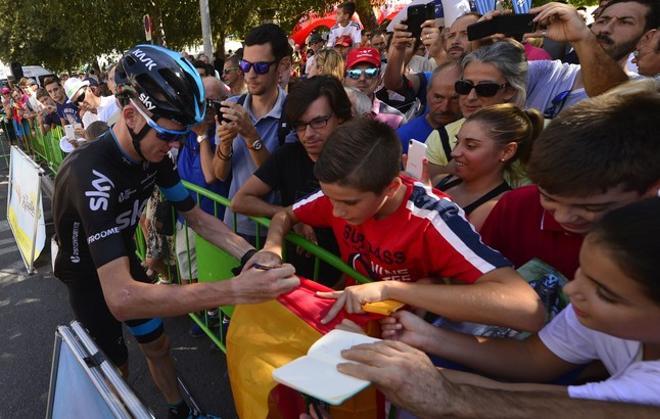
<point>363,55</point>
<point>344,41</point>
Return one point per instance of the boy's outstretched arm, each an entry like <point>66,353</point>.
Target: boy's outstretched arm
<point>281,223</point>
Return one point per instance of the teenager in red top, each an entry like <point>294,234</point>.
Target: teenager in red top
<point>392,228</point>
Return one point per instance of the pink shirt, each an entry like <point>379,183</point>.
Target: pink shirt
<point>534,53</point>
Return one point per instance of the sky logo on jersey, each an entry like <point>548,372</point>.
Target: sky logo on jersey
<point>131,217</point>
<point>98,198</point>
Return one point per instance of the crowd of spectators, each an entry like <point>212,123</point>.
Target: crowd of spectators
<point>544,147</point>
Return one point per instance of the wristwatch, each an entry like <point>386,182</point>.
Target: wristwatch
<point>201,138</point>
<point>256,145</point>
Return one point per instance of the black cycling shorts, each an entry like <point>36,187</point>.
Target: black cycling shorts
<point>90,309</point>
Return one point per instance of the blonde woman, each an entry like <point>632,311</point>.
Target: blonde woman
<point>329,62</point>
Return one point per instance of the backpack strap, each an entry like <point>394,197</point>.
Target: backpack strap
<point>444,138</point>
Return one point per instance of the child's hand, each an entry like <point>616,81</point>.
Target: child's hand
<point>408,328</point>
<point>352,298</point>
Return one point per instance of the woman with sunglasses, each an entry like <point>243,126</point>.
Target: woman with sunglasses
<point>490,141</point>
<point>492,74</point>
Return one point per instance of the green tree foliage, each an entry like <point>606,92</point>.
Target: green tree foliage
<point>66,34</point>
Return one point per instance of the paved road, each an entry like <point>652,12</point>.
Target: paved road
<point>31,307</point>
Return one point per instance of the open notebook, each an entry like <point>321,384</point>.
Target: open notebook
<point>316,375</point>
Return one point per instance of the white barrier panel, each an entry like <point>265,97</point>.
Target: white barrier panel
<point>83,383</point>
<point>24,207</point>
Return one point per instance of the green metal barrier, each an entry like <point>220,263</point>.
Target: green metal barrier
<point>214,264</point>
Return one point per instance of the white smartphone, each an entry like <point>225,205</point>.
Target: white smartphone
<point>416,156</point>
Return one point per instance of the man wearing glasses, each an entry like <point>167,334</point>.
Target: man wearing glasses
<point>233,76</point>
<point>250,130</point>
<point>100,191</point>
<point>363,73</point>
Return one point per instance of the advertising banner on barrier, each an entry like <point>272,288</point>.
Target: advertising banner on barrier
<point>24,207</point>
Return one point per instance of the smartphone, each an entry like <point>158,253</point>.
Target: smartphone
<point>508,25</point>
<point>416,156</point>
<point>418,14</point>
<point>217,109</point>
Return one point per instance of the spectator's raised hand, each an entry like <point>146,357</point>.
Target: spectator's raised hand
<point>352,298</point>
<point>404,374</point>
<point>560,22</point>
<point>238,116</point>
<point>401,38</point>
<point>431,35</point>
<point>226,132</point>
<point>408,328</point>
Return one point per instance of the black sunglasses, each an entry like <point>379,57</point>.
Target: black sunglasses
<point>464,87</point>
<point>81,96</point>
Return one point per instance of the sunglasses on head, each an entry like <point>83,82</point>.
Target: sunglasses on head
<point>261,67</point>
<point>162,133</point>
<point>355,73</point>
<point>464,87</point>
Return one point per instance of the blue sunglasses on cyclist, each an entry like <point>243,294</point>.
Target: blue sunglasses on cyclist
<point>369,73</point>
<point>162,133</point>
<point>260,67</point>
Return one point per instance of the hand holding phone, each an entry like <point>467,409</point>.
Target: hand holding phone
<point>416,156</point>
<point>505,24</point>
<point>417,15</point>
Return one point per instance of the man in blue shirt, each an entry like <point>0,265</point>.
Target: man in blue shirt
<point>442,106</point>
<point>251,131</point>
<point>195,165</point>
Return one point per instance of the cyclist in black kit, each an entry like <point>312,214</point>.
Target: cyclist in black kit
<point>100,191</point>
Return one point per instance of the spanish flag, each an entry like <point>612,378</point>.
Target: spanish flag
<point>263,337</point>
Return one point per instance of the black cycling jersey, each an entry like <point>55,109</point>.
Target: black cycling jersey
<point>99,196</point>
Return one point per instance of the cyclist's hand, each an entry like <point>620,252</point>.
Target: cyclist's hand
<point>263,258</point>
<point>255,285</point>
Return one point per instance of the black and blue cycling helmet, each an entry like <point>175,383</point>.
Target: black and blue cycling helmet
<point>165,83</point>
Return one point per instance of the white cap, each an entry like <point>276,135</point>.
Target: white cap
<point>72,85</point>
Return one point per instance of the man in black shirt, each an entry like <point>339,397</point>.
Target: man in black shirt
<point>314,108</point>
<point>100,192</point>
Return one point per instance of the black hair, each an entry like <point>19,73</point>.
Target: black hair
<point>651,17</point>
<point>348,7</point>
<point>307,91</point>
<point>600,143</point>
<point>272,34</point>
<point>632,235</point>
<point>363,153</point>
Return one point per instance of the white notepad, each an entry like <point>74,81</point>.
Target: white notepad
<point>316,375</point>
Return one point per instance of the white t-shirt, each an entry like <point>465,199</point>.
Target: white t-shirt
<point>352,29</point>
<point>108,110</point>
<point>632,380</point>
